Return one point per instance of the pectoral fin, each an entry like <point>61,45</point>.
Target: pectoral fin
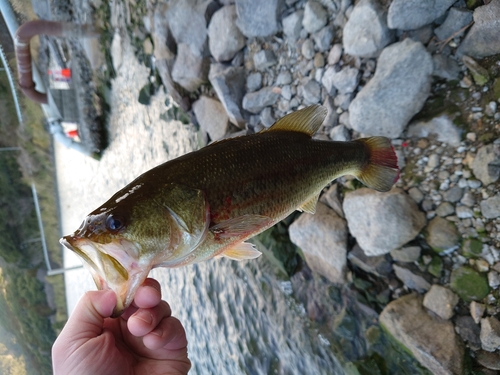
<point>241,226</point>
<point>242,251</point>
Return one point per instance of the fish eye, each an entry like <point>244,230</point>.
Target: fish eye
<point>114,223</point>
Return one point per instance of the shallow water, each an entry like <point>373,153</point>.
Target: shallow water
<point>240,317</point>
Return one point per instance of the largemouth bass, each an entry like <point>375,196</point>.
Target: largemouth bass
<point>208,202</point>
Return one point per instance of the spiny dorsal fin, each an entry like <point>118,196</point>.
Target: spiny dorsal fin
<point>307,120</point>
<point>309,206</point>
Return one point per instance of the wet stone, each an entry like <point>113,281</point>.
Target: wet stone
<point>408,254</point>
<point>441,301</point>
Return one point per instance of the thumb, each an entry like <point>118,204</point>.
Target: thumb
<point>87,319</point>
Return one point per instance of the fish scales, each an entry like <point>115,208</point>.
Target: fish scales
<point>206,203</point>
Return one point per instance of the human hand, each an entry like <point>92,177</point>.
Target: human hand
<point>146,339</point>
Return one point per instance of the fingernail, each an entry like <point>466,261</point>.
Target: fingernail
<point>145,317</point>
<point>158,332</point>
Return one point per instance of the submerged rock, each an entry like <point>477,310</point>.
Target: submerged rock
<point>441,301</point>
<point>382,222</point>
<point>323,240</point>
<point>432,341</point>
<point>396,92</point>
<point>412,14</point>
<point>366,32</point>
<point>469,284</point>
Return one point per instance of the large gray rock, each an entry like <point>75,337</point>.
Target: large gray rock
<point>490,334</point>
<point>484,164</point>
<point>224,37</point>
<point>382,222</point>
<point>186,20</point>
<point>432,341</point>
<point>442,126</point>
<point>211,116</point>
<point>190,69</point>
<point>258,18</point>
<point>323,240</point>
<point>366,33</point>
<point>457,19</point>
<point>315,16</point>
<point>229,84</point>
<point>412,14</point>
<point>396,92</point>
<point>482,39</point>
<point>255,102</point>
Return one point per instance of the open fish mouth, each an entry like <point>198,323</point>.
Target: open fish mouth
<point>111,266</point>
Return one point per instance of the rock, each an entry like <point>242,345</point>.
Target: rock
<point>479,74</point>
<point>366,32</point>
<point>323,38</point>
<point>255,102</point>
<point>416,194</point>
<point>116,50</point>
<point>445,209</point>
<point>464,212</point>
<point>454,194</point>
<point>482,39</point>
<point>323,239</point>
<point>468,331</point>
<point>312,92</point>
<point>229,84</point>
<point>264,59</point>
<point>396,92</point>
<point>382,222</point>
<point>477,311</point>
<point>472,248</point>
<point>284,78</point>
<point>266,117</point>
<point>335,54</point>
<point>224,37</point>
<point>327,81</point>
<point>456,20</point>
<point>254,81</point>
<point>412,14</point>
<point>190,70</point>
<point>442,235</point>
<point>340,133</point>
<point>346,80</point>
<point>186,20</point>
<point>376,265</point>
<point>258,18</point>
<point>483,165</point>
<point>441,126</point>
<point>315,17</point>
<point>441,301</point>
<point>488,360</point>
<point>409,275</point>
<point>469,284</point>
<point>432,341</point>
<point>490,334</point>
<point>445,67</point>
<point>211,116</point>
<point>307,49</point>
<point>493,279</point>
<point>490,208</point>
<point>331,198</point>
<point>292,25</point>
<point>407,254</point>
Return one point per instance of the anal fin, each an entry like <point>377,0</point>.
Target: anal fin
<point>309,206</point>
<point>242,251</point>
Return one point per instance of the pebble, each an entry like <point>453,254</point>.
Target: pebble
<point>254,81</point>
<point>312,92</point>
<point>335,54</point>
<point>315,17</point>
<point>407,254</point>
<point>441,301</point>
<point>445,209</point>
<point>490,334</point>
<point>255,102</point>
<point>340,133</point>
<point>490,208</point>
<point>292,25</point>
<point>464,212</point>
<point>416,194</point>
<point>264,59</point>
<point>323,38</point>
<point>284,78</point>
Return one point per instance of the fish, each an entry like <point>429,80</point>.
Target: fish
<point>207,203</point>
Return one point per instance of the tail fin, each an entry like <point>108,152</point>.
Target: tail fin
<point>381,171</point>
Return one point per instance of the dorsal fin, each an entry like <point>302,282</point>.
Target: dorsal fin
<point>307,120</point>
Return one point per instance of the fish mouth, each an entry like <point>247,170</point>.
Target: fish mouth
<point>114,265</point>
